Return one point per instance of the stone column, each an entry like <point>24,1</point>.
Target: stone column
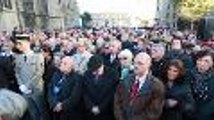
<point>8,15</point>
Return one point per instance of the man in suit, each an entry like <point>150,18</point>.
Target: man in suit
<point>140,96</point>
<point>157,52</point>
<point>29,70</point>
<point>64,92</point>
<point>111,60</point>
<point>99,84</point>
<point>82,56</point>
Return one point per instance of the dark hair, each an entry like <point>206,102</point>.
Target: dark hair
<point>204,53</point>
<point>94,63</point>
<point>179,65</point>
<point>48,50</point>
<point>157,41</point>
<point>176,38</point>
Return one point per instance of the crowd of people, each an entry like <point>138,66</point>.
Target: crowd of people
<point>116,73</point>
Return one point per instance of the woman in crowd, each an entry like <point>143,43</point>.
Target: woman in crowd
<point>49,64</point>
<point>125,57</point>
<point>99,85</point>
<point>179,103</point>
<point>48,73</point>
<point>202,84</point>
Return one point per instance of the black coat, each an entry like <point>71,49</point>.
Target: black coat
<point>99,92</point>
<point>69,94</point>
<point>181,92</point>
<point>7,74</point>
<point>157,68</point>
<point>181,55</point>
<point>48,73</point>
<point>115,65</point>
<point>203,92</point>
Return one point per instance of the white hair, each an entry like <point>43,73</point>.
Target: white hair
<point>126,53</point>
<point>145,55</point>
<point>197,48</point>
<point>161,48</point>
<point>12,106</point>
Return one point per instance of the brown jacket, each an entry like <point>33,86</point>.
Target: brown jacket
<point>147,105</point>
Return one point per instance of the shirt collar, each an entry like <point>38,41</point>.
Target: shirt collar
<point>28,52</point>
<point>142,79</point>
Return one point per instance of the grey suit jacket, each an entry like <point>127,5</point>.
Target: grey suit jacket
<point>29,71</point>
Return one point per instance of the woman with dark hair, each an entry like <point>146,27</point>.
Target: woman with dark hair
<point>48,73</point>
<point>99,85</point>
<point>202,84</point>
<point>49,61</point>
<point>179,102</point>
<point>49,65</point>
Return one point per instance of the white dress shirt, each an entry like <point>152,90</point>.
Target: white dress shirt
<point>142,79</point>
<point>113,57</point>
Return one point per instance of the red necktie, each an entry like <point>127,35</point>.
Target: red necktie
<point>134,91</point>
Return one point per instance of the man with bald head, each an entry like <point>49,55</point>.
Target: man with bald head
<point>140,96</point>
<point>64,91</point>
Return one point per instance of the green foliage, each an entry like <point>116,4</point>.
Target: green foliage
<point>86,19</point>
<point>193,10</point>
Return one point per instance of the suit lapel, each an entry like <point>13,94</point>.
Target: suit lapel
<point>146,88</point>
<point>128,84</point>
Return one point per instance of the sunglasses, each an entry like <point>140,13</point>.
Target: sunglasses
<point>123,58</point>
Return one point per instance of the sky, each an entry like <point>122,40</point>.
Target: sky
<point>142,8</point>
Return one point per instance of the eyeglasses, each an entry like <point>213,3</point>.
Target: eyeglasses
<point>123,58</point>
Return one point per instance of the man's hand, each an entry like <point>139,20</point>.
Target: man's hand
<point>171,103</point>
<point>95,110</point>
<point>58,107</point>
<point>24,89</point>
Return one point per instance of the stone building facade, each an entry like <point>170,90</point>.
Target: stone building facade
<point>38,14</point>
<point>166,13</point>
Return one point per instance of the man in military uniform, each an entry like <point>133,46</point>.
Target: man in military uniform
<point>29,71</point>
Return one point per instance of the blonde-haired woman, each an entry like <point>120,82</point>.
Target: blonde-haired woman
<point>126,61</point>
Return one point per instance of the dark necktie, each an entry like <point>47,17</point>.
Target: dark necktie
<point>58,86</point>
<point>25,58</point>
<point>134,91</point>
